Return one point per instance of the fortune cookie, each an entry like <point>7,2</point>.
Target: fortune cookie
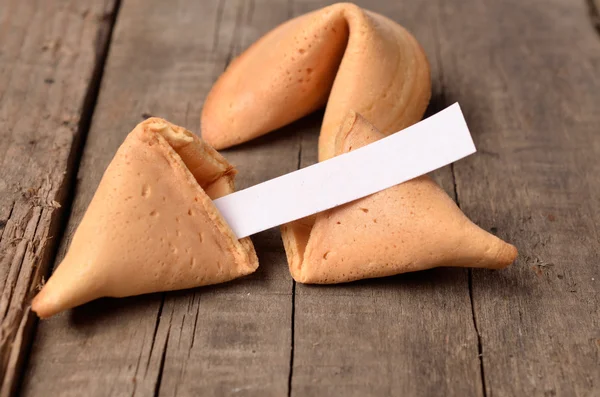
<point>151,225</point>
<point>411,226</point>
<point>342,56</point>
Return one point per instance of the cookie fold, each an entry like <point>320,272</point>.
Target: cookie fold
<point>411,226</point>
<point>342,56</point>
<point>151,225</point>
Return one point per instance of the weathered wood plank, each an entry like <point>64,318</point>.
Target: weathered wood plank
<point>411,334</point>
<point>527,75</point>
<point>217,340</point>
<point>236,338</point>
<point>51,55</point>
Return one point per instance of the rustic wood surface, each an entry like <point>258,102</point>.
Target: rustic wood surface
<point>532,98</point>
<point>51,53</point>
<point>527,75</point>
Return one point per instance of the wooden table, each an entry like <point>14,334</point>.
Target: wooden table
<point>76,76</point>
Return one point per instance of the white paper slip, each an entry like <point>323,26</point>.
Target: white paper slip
<point>433,143</point>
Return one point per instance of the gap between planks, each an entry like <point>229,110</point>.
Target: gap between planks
<point>18,353</point>
<point>470,281</point>
<point>443,101</point>
<point>293,314</point>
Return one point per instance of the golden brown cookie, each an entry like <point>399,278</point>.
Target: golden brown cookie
<point>342,56</point>
<point>411,226</point>
<point>151,225</point>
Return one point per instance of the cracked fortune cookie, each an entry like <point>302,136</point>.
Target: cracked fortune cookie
<point>151,225</point>
<point>408,227</point>
<point>342,56</point>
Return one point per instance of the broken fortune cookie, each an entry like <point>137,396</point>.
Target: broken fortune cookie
<point>408,227</point>
<point>340,55</point>
<point>151,225</point>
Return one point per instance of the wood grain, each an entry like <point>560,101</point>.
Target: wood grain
<point>531,97</point>
<point>51,55</point>
<point>527,78</point>
<point>211,341</point>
